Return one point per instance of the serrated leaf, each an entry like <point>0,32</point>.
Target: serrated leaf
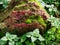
<point>33,39</point>
<point>4,39</point>
<point>41,38</point>
<point>36,31</point>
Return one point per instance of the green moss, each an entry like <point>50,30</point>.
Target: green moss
<point>28,21</point>
<point>41,21</point>
<point>32,17</point>
<point>36,18</point>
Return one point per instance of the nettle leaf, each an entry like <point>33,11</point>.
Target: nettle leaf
<point>8,36</point>
<point>4,38</point>
<point>16,39</point>
<point>11,43</point>
<point>35,36</point>
<point>29,34</point>
<point>41,38</point>
<point>51,19</point>
<point>33,39</point>
<point>11,37</point>
<point>36,33</point>
<point>54,21</point>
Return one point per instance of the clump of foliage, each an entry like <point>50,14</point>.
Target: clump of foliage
<point>52,36</point>
<point>10,39</point>
<point>52,6</point>
<point>55,22</point>
<point>28,39</point>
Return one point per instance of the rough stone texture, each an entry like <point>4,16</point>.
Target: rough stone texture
<point>28,8</point>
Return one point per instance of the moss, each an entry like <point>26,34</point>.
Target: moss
<point>28,21</point>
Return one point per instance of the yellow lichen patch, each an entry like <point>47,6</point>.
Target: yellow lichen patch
<point>2,25</point>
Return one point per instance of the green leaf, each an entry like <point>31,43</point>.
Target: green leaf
<point>28,36</point>
<point>58,31</point>
<point>8,36</point>
<point>16,39</point>
<point>18,43</point>
<point>29,43</point>
<point>4,38</point>
<point>32,44</point>
<point>58,36</point>
<point>35,33</point>
<point>11,43</point>
<point>41,38</point>
<point>52,37</point>
<point>33,39</point>
<point>11,37</point>
<point>23,38</point>
<point>2,42</point>
<point>51,30</point>
<point>54,21</point>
